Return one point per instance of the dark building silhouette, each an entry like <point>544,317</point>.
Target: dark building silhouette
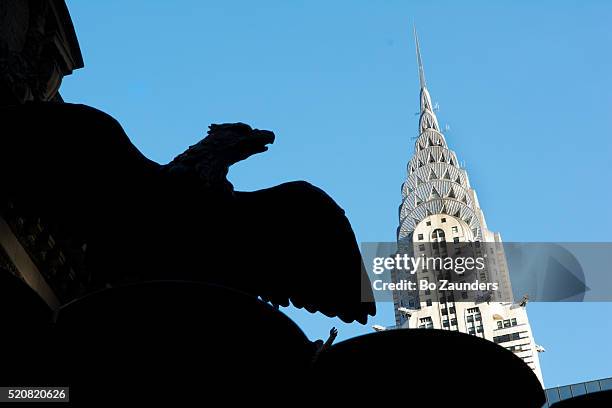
<point>38,47</point>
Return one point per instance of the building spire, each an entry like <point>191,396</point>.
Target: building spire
<point>428,118</point>
<point>419,60</point>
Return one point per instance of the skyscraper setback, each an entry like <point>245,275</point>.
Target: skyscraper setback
<point>440,210</point>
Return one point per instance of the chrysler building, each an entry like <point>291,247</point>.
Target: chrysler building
<point>439,211</point>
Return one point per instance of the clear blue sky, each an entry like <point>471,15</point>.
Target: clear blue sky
<point>524,85</point>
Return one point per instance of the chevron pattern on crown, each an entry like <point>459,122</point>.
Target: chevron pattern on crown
<point>436,184</point>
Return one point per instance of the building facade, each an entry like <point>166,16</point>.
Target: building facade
<point>439,217</point>
<point>565,392</point>
<point>38,47</point>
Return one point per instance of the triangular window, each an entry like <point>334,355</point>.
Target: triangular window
<point>451,194</point>
<point>434,193</point>
<point>432,175</point>
<point>446,175</point>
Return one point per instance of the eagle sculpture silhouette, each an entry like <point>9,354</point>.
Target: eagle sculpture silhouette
<point>137,220</point>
